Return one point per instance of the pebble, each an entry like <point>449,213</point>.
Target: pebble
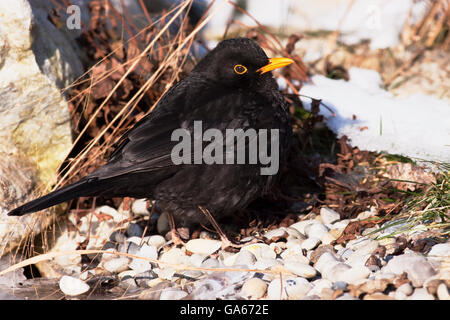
<point>275,291</point>
<point>297,288</point>
<point>210,263</point>
<point>156,241</point>
<point>316,230</point>
<point>196,260</point>
<point>416,266</point>
<point>203,246</point>
<point>294,233</point>
<point>353,275</point>
<point>341,224</point>
<point>266,263</point>
<point>261,250</point>
<point>254,288</point>
<point>172,294</point>
<point>294,255</point>
<point>117,217</point>
<point>276,233</point>
<point>441,250</point>
<point>173,256</point>
<point>346,296</point>
<point>301,225</point>
<point>326,261</point>
<point>328,215</point>
<point>363,245</point>
<point>310,243</point>
<point>166,273</point>
<point>135,230</point>
<point>377,296</point>
<point>116,265</point>
<point>421,294</point>
<point>327,238</point>
<point>139,207</point>
<point>72,286</point>
<point>406,289</point>
<point>130,247</point>
<point>245,258</point>
<point>117,236</point>
<point>127,274</point>
<point>141,265</point>
<point>300,269</point>
<point>339,285</point>
<point>442,292</point>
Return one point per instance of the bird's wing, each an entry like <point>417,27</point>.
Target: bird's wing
<point>147,146</point>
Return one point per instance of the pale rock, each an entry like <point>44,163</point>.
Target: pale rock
<point>335,272</point>
<point>421,294</point>
<point>319,285</point>
<point>245,258</point>
<point>276,233</point>
<point>416,266</point>
<point>366,214</point>
<point>127,274</point>
<point>329,215</point>
<point>442,292</point>
<point>294,233</point>
<point>139,207</point>
<point>405,288</point>
<point>203,246</point>
<point>116,265</point>
<point>294,254</point>
<point>156,241</point>
<point>301,225</point>
<point>440,251</point>
<point>326,261</point>
<point>172,294</point>
<point>301,269</point>
<point>72,286</point>
<point>254,288</point>
<point>341,225</point>
<point>327,238</point>
<point>352,276</point>
<point>136,240</point>
<point>277,289</point>
<point>297,288</point>
<point>310,243</point>
<point>292,242</point>
<point>173,256</point>
<point>316,230</point>
<point>260,250</point>
<point>266,263</point>
<point>196,259</point>
<point>166,273</point>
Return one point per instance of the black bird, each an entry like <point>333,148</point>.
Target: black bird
<point>230,88</point>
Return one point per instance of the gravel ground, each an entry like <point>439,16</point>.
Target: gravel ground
<point>301,261</point>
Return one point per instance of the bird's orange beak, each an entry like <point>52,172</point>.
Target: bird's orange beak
<point>275,63</point>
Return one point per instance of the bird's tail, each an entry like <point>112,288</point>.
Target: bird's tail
<point>84,187</point>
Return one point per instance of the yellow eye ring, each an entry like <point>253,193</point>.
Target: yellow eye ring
<point>240,69</point>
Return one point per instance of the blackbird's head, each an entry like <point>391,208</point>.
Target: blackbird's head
<point>238,62</point>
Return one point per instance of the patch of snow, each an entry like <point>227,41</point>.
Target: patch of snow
<point>416,126</point>
<point>380,21</point>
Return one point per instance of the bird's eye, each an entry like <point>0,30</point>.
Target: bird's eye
<point>240,69</point>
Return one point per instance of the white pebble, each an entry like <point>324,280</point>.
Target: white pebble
<point>203,246</point>
<point>301,225</point>
<point>172,294</point>
<point>421,294</point>
<point>117,265</point>
<point>328,215</point>
<point>405,288</point>
<point>156,241</point>
<point>261,250</point>
<point>297,288</point>
<point>276,233</point>
<point>72,286</point>
<point>442,292</point>
<point>301,269</point>
<point>275,291</point>
<point>310,243</point>
<point>254,288</point>
<point>139,207</point>
<point>244,258</point>
<point>266,263</point>
<point>316,230</point>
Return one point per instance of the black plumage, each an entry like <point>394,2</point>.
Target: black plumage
<point>221,98</point>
